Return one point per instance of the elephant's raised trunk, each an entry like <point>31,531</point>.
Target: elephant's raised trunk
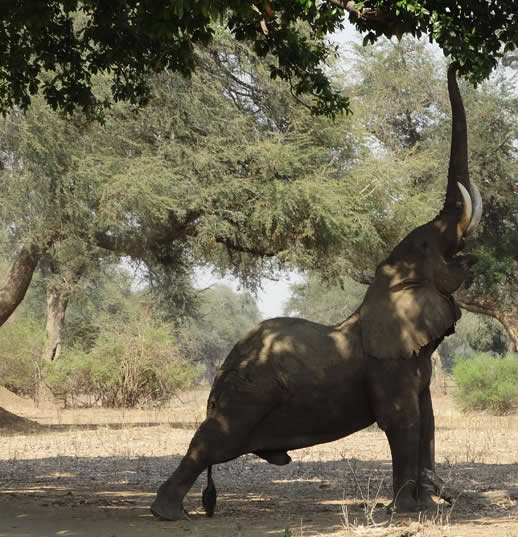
<point>459,188</point>
<point>458,168</point>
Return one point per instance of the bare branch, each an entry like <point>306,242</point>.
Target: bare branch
<point>235,247</point>
<point>374,16</point>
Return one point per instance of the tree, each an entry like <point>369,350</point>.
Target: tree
<point>320,302</point>
<point>413,126</point>
<point>222,319</point>
<point>115,351</point>
<point>222,168</point>
<point>59,47</point>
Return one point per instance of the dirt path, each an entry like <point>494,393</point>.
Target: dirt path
<point>94,473</point>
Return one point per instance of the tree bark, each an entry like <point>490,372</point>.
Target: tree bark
<point>18,280</point>
<point>57,302</point>
<point>438,378</point>
<point>58,293</point>
<point>489,306</point>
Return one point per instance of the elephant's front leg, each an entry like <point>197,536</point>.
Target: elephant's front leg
<point>407,419</point>
<point>404,444</point>
<point>426,448</point>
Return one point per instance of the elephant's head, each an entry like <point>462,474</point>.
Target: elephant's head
<point>409,304</point>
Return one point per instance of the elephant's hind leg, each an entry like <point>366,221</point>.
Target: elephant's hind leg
<point>279,458</point>
<point>168,503</point>
<point>214,442</point>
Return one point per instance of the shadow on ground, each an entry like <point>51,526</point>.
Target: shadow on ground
<point>93,496</point>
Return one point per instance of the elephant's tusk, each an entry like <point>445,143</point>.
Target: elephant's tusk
<point>477,209</point>
<point>467,211</point>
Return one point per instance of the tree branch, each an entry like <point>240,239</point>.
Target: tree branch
<point>370,15</point>
<point>133,245</point>
<point>489,306</point>
<point>18,280</point>
<point>234,247</point>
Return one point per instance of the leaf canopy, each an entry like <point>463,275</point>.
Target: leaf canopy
<point>57,47</point>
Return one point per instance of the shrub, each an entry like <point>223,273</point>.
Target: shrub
<point>487,383</point>
<point>21,343</point>
<point>130,365</point>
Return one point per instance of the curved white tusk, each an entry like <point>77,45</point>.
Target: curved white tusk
<point>467,211</point>
<point>476,199</point>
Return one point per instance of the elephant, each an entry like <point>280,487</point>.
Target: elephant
<point>291,383</point>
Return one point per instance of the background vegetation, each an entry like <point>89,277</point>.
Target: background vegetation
<point>487,383</point>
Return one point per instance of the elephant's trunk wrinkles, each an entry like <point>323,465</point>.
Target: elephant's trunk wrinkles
<point>458,167</point>
<point>459,186</point>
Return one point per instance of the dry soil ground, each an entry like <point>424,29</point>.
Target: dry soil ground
<point>93,473</point>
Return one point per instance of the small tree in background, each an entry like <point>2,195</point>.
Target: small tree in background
<point>20,349</point>
<point>223,318</point>
<point>320,302</point>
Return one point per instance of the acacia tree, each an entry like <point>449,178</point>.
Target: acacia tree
<point>320,302</point>
<point>58,48</point>
<point>222,168</point>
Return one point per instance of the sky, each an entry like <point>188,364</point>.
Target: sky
<point>272,296</point>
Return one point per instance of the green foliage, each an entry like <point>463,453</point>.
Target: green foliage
<point>322,302</point>
<point>130,364</point>
<point>20,348</point>
<point>472,34</point>
<point>474,334</point>
<point>222,167</point>
<point>59,48</point>
<point>487,383</point>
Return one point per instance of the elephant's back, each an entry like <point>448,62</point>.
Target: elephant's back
<point>285,354</point>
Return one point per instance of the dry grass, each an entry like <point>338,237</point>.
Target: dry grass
<point>104,465</point>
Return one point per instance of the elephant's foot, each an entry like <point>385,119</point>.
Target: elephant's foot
<point>433,483</point>
<point>168,503</point>
<point>165,510</point>
<point>407,503</point>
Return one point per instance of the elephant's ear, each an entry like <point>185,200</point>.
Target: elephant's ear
<point>396,321</point>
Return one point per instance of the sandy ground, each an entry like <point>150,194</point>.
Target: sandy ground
<point>94,473</point>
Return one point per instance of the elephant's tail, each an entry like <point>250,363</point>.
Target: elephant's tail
<point>208,498</point>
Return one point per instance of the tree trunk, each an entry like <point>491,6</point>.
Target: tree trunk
<point>489,306</point>
<point>438,378</point>
<point>18,280</point>
<point>58,293</point>
<point>510,322</point>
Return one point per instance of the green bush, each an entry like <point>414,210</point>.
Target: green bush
<point>130,365</point>
<point>21,343</point>
<point>487,383</point>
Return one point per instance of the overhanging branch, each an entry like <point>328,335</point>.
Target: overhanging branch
<point>18,280</point>
<point>370,15</point>
<point>235,247</point>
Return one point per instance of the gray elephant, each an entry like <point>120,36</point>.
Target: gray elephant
<point>291,383</point>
